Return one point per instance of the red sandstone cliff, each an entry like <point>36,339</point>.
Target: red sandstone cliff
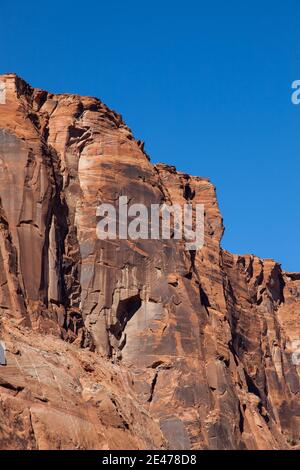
<point>122,344</point>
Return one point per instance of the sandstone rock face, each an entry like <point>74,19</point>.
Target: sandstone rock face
<point>122,344</point>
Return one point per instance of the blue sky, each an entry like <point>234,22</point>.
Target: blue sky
<point>206,84</point>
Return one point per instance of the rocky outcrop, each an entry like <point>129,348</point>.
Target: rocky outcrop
<point>121,343</point>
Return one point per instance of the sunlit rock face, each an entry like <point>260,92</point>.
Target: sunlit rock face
<point>116,344</point>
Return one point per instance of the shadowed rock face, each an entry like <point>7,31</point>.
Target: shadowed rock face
<point>128,344</point>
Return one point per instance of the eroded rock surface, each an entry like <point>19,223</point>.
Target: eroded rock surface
<point>121,343</point>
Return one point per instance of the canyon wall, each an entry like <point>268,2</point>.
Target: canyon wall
<point>129,344</point>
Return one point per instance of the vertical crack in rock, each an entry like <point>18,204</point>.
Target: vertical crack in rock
<point>125,310</point>
<point>153,384</point>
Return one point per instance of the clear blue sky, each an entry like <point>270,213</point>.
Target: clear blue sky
<point>206,84</point>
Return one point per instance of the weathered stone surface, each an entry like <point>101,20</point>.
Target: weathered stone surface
<point>129,344</point>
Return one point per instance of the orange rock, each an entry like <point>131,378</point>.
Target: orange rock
<point>122,344</point>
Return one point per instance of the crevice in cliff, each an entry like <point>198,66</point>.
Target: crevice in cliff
<point>10,386</point>
<point>203,297</point>
<point>188,193</point>
<point>125,311</point>
<point>123,422</point>
<point>66,289</point>
<point>263,412</point>
<point>9,265</point>
<point>152,388</point>
<point>241,418</point>
<point>276,284</point>
<point>32,431</point>
<point>233,352</point>
<point>57,213</point>
<point>252,388</point>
